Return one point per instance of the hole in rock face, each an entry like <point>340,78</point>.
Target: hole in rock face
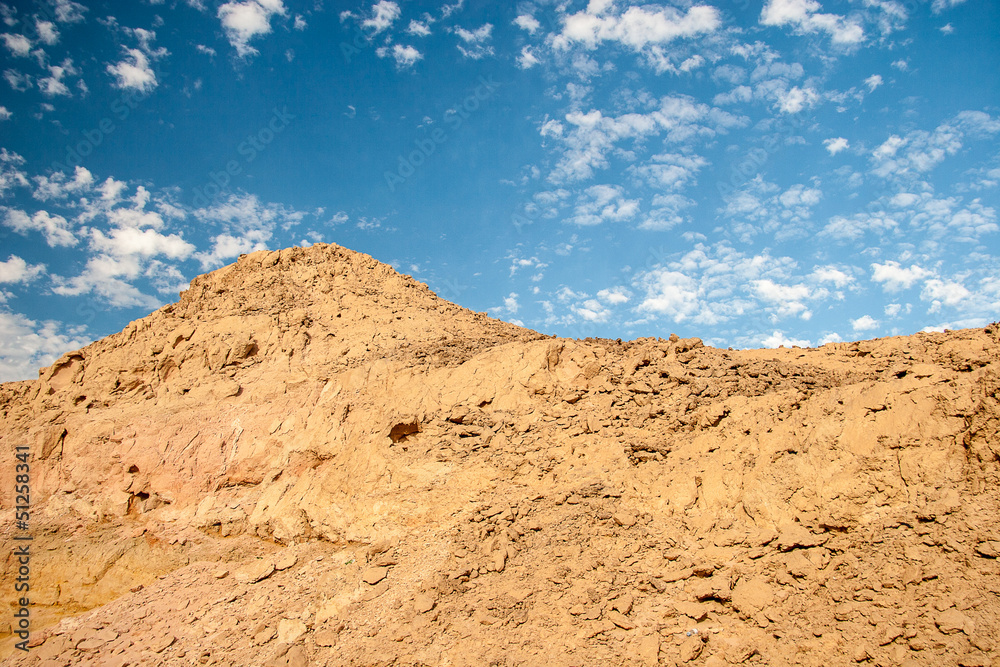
<point>133,469</point>
<point>403,430</point>
<point>137,502</point>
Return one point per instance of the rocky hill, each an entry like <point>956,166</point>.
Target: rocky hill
<point>313,460</point>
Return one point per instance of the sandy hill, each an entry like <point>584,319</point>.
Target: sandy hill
<point>313,460</point>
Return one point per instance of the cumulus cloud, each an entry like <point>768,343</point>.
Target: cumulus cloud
<point>418,29</point>
<point>245,21</point>
<point>803,17</point>
<point>53,85</point>
<point>873,82</point>
<point>894,277</point>
<point>603,203</point>
<point>528,23</point>
<point>383,15</point>
<point>587,138</point>
<point>134,72</point>
<point>68,11</point>
<point>55,228</point>
<point>18,45</point>
<point>474,42</point>
<point>405,56</point>
<point>797,99</point>
<point>779,339</point>
<point>527,59</point>
<point>635,28</point>
<point>16,270</point>
<point>865,323</point>
<point>836,145</point>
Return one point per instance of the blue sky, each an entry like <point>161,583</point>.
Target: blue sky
<point>755,173</point>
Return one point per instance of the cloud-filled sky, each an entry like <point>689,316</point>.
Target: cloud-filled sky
<point>756,173</point>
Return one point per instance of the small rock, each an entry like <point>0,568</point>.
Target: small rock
<point>623,604</point>
<point>286,560</point>
<point>951,621</point>
<point>221,573</point>
<point>290,629</point>
<point>625,519</point>
<point>690,649</point>
<point>423,603</point>
<point>620,619</point>
<point>989,549</point>
<point>162,644</point>
<point>692,610</point>
<point>255,571</point>
<point>326,638</point>
<point>373,575</point>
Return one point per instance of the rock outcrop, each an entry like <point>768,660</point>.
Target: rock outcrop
<point>313,460</point>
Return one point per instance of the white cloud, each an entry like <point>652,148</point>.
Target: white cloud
<point>800,195</point>
<point>666,212</point>
<point>940,293</point>
<point>894,277</point>
<point>247,225</point>
<point>134,72</point>
<point>5,113</point>
<point>670,171</point>
<point>405,56</point>
<point>527,59</point>
<point>244,21</point>
<point>55,228</point>
<point>918,152</point>
<point>600,203</point>
<point>16,270</point>
<point>787,299</point>
<point>68,11</point>
<point>940,5</point>
<point>588,137</point>
<point>637,27</point>
<point>53,85</point>
<point>300,23</point>
<point>831,274</point>
<point>125,241</point>
<point>57,186</point>
<point>836,145</point>
<point>615,295</point>
<point>511,304</point>
<point>475,40</point>
<point>854,227</point>
<point>418,29</point>
<point>527,22</point>
<point>865,323</point>
<point>803,17</point>
<point>669,293</point>
<point>384,14</point>
<point>873,82</point>
<point>779,339</point>
<point>27,345</point>
<point>10,173</point>
<point>109,278</point>
<point>19,45</point>
<point>797,99</point>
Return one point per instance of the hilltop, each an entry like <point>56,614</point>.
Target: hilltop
<point>311,459</point>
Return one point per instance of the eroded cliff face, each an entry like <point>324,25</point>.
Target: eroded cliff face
<point>311,459</point>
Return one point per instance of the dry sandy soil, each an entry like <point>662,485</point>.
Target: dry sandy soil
<point>313,460</point>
